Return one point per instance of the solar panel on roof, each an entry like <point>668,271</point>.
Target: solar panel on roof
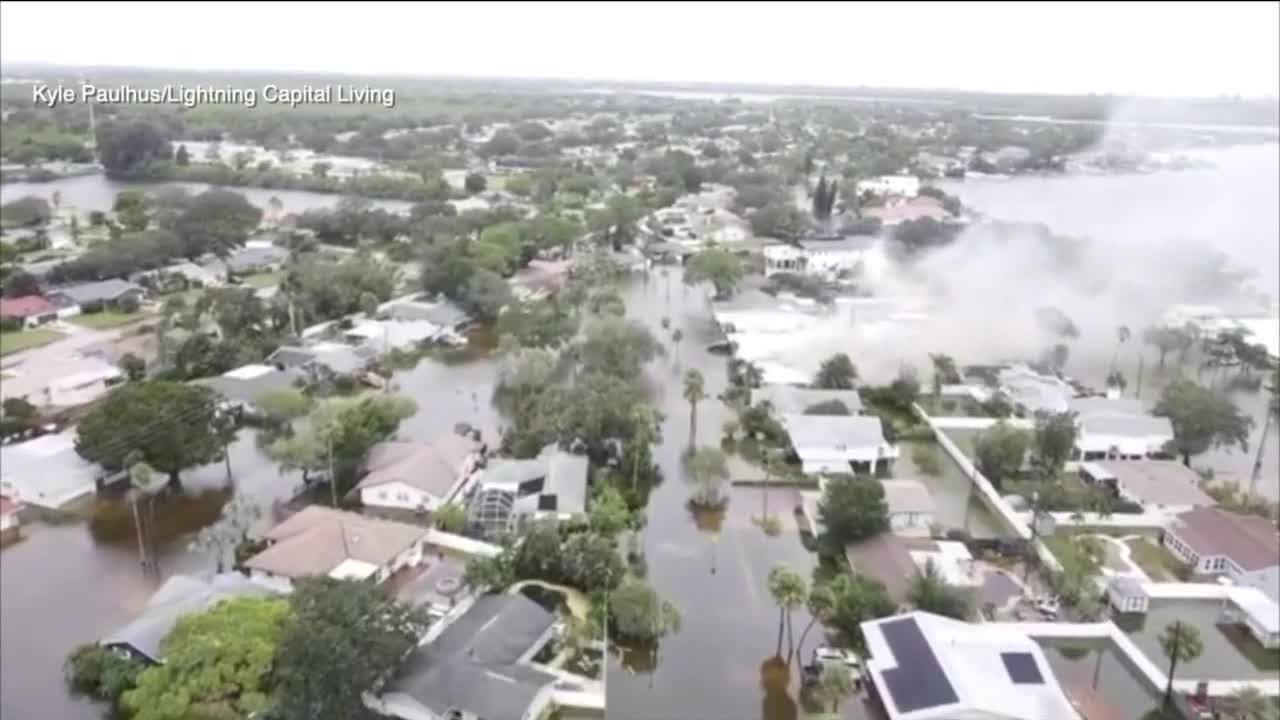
<point>1022,668</point>
<point>918,681</point>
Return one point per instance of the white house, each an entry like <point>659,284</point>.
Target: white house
<point>245,385</point>
<point>552,486</point>
<point>1244,548</point>
<point>321,541</point>
<point>911,509</point>
<point>838,444</point>
<point>1118,429</point>
<point>1157,485</point>
<point>417,476</point>
<point>66,382</point>
<point>828,259</point>
<point>46,472</point>
<point>899,185</point>
<point>928,667</point>
<point>1127,595</point>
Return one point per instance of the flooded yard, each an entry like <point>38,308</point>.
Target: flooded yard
<point>1094,671</point>
<point>956,504</point>
<point>1230,652</point>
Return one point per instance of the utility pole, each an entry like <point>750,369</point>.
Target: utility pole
<point>137,524</point>
<point>1138,392</point>
<point>1257,460</point>
<point>333,477</point>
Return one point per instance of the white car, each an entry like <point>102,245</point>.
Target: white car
<point>829,655</point>
<point>1048,607</point>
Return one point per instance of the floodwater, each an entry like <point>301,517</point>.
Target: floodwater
<point>96,192</point>
<point>957,505</point>
<point>1230,652</point>
<point>1095,668</point>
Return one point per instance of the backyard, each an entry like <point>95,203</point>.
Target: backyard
<point>1158,563</point>
<point>262,280</point>
<point>11,342</point>
<point>106,319</point>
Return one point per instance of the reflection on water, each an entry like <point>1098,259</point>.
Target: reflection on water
<point>167,517</point>
<point>1230,652</point>
<point>1094,674</point>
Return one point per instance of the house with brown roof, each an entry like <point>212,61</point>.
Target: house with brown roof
<point>415,476</point>
<point>28,310</point>
<point>1244,548</point>
<point>320,541</point>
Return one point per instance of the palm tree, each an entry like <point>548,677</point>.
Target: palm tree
<point>709,470</point>
<point>1181,643</point>
<point>642,435</point>
<point>676,336</point>
<point>820,603</point>
<point>695,392</point>
<point>789,592</point>
<point>1248,703</point>
<point>1122,337</point>
<point>930,592</point>
<point>835,682</point>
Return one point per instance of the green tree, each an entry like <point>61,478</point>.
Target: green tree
<point>131,210</point>
<point>216,221</point>
<point>1202,419</point>
<point>321,169</point>
<point>475,183</point>
<point>450,517</point>
<point>1248,703</point>
<point>216,661</point>
<point>856,599</point>
<point>694,392</point>
<point>102,673</point>
<point>616,347</point>
<point>182,158</point>
<point>1000,452</point>
<point>718,266</point>
<point>1164,339</point>
<point>485,574</point>
<point>820,603</point>
<point>930,592</point>
<point>344,637</point>
<point>1180,642</point>
<point>1122,336</point>
<point>853,509</point>
<point>1053,442</point>
<point>284,405</point>
<point>836,373</point>
<point>834,684</point>
<point>170,424</point>
<point>789,592</point>
<point>484,295</point>
<point>944,372</point>
<point>537,323</point>
<point>609,513</point>
<point>828,407</point>
<point>638,613</point>
<point>134,367</point>
<point>709,471</point>
<point>779,219</point>
<point>132,151</point>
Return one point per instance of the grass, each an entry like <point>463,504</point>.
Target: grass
<point>106,319</point>
<point>1158,563</point>
<point>12,342</point>
<point>927,460</point>
<point>262,280</point>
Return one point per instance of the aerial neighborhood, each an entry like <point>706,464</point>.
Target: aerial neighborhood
<point>513,403</point>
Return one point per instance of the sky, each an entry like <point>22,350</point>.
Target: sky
<point>1166,49</point>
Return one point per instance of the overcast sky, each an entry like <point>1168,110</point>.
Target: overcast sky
<point>1174,49</point>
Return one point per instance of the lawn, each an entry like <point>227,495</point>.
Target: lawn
<point>106,319</point>
<point>12,342</point>
<point>262,280</point>
<point>1158,563</point>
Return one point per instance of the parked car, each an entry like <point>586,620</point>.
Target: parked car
<point>823,656</point>
<point>1048,607</point>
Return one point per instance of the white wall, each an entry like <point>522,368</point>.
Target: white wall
<point>275,582</point>
<point>399,496</point>
<point>8,521</point>
<point>1267,580</point>
<point>910,521</point>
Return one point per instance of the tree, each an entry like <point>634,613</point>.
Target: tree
<point>170,424</point>
<point>617,347</point>
<point>836,373</point>
<point>828,407</point>
<point>779,219</point>
<point>709,471</point>
<point>1000,452</point>
<point>485,574</point>
<point>1122,336</point>
<point>223,537</point>
<point>134,367</point>
<point>484,295</point>
<point>26,211</point>
<point>284,405</point>
<point>132,151</point>
<point>789,591</point>
<point>853,509</point>
<point>218,661</point>
<point>1202,419</point>
<point>18,416</point>
<point>944,373</point>
<point>819,603</point>
<point>855,599</point>
<point>835,682</point>
<point>182,157</point>
<point>694,392</point>
<point>614,225</point>
<point>717,265</point>
<point>475,183</point>
<point>1053,442</point>
<point>638,613</point>
<point>20,283</point>
<point>1180,642</point>
<point>537,323</point>
<point>930,592</point>
<point>1248,703</point>
<point>321,169</point>
<point>450,517</point>
<point>102,673</point>
<point>609,513</point>
<point>1164,339</point>
<point>344,638</point>
<point>216,221</point>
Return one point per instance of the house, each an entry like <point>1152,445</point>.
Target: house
<point>418,476</point>
<point>1126,594</point>
<point>29,310</point>
<point>827,259</point>
<point>900,211</point>
<point>478,667</point>
<point>73,299</point>
<point>1031,392</point>
<point>46,472</point>
<point>911,509</point>
<point>891,185</point>
<point>183,274</point>
<point>385,335</point>
<point>65,382</point>
<point>442,314</point>
<point>143,637</point>
<point>323,358</point>
<point>887,558</point>
<point>338,544</point>
<point>1118,428</point>
<point>923,666</point>
<point>1160,485</point>
<point>508,493</point>
<point>1245,548</point>
<point>795,399</point>
<point>9,520</point>
<point>1258,612</point>
<point>952,561</point>
<point>253,258</point>
<point>540,278</point>
<point>838,444</point>
<point>243,386</point>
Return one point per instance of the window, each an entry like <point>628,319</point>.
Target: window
<point>402,496</point>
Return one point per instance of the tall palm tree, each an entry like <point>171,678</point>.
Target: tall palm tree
<point>1122,337</point>
<point>642,435</point>
<point>695,392</point>
<point>708,470</point>
<point>789,592</point>
<point>930,592</point>
<point>1248,703</point>
<point>820,603</point>
<point>835,683</point>
<point>1181,643</point>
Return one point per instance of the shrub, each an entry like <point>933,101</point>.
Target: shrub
<point>101,673</point>
<point>926,459</point>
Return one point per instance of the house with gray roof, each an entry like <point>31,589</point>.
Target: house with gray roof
<point>1165,486</point>
<point>143,637</point>
<point>418,477</point>
<point>440,313</point>
<point>508,493</point>
<point>1244,548</point>
<point>838,444</point>
<point>95,294</point>
<point>1118,429</point>
<point>244,386</point>
<point>258,258</point>
<point>796,399</point>
<point>323,358</point>
<point>478,667</point>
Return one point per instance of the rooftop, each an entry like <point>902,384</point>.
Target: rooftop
<point>249,383</point>
<point>1249,541</point>
<point>431,467</point>
<point>25,306</point>
<point>1159,482</point>
<point>46,471</point>
<point>907,496</point>
<point>318,540</point>
<point>102,291</point>
<point>794,399</point>
<point>834,430</point>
